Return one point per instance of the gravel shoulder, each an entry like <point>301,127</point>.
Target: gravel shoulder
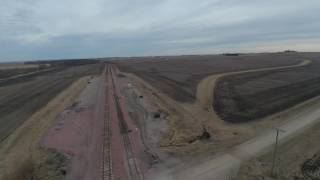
<point>77,132</point>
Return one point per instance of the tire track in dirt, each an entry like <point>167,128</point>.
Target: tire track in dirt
<point>200,113</point>
<point>225,166</point>
<point>206,87</point>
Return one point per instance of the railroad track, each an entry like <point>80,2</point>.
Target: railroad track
<point>134,173</point>
<point>107,156</point>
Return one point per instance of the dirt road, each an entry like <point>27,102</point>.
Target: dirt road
<point>206,87</point>
<point>227,165</point>
<point>224,166</point>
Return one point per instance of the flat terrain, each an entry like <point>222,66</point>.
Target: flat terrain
<point>296,150</point>
<point>17,65</point>
<point>21,97</point>
<point>179,76</point>
<point>183,88</point>
<point>248,96</point>
<point>167,117</point>
<point>6,73</point>
<point>240,97</point>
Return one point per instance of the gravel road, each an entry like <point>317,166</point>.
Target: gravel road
<point>227,165</point>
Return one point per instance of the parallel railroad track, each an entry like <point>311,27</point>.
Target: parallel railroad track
<point>107,156</point>
<point>134,172</point>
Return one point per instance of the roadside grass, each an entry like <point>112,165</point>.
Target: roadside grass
<point>24,171</point>
<point>52,165</point>
<point>290,157</point>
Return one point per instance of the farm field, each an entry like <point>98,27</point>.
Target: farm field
<point>17,65</point>
<point>249,96</point>
<point>6,73</point>
<point>21,97</point>
<point>179,76</point>
<point>275,88</point>
<point>165,111</point>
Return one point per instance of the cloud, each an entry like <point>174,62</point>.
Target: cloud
<point>45,29</point>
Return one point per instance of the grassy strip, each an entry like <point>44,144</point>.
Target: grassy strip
<point>290,158</point>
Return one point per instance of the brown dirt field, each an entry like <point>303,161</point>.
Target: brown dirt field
<point>224,135</point>
<point>178,76</point>
<point>207,87</point>
<point>21,98</point>
<point>6,73</point>
<point>187,120</point>
<point>24,143</point>
<point>254,95</point>
<point>10,65</point>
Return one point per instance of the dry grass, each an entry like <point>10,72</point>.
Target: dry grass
<point>25,141</point>
<point>186,121</point>
<point>181,123</point>
<point>53,166</point>
<point>25,170</point>
<point>17,66</point>
<point>291,155</point>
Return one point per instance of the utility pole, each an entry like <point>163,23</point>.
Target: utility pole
<point>275,150</point>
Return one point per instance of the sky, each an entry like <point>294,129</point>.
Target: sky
<point>58,29</point>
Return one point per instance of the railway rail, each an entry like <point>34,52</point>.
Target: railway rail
<point>107,155</point>
<point>134,173</point>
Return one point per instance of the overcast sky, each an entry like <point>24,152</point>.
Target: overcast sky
<point>50,29</point>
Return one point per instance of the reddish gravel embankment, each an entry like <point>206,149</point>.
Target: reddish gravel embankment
<point>84,130</point>
<point>131,148</point>
<point>78,132</point>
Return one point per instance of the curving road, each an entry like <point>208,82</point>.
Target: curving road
<point>205,88</point>
<point>226,166</point>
